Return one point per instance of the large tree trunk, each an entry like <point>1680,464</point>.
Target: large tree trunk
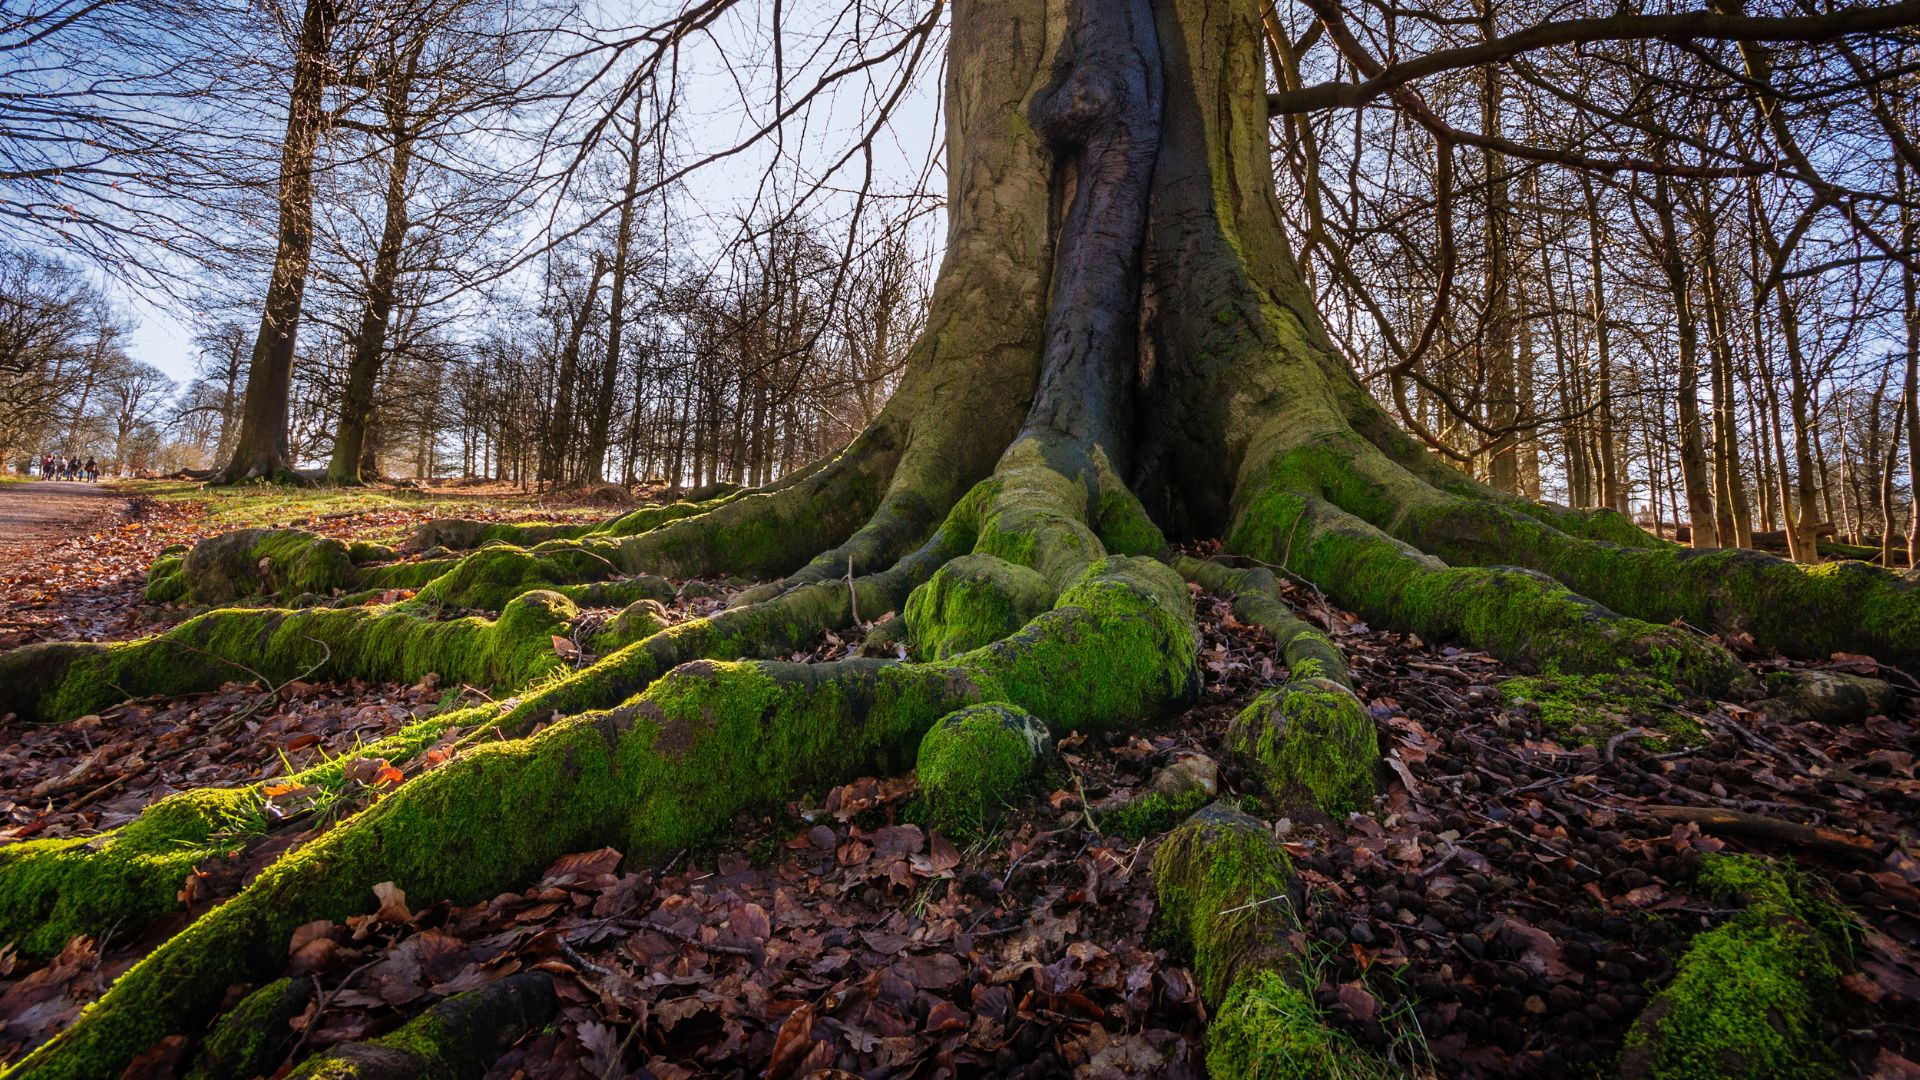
<point>261,450</point>
<point>1119,348</point>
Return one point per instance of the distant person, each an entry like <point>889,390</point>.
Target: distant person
<point>46,466</point>
<point>73,467</point>
<point>93,471</point>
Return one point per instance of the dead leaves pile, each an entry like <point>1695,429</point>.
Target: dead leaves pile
<point>881,950</point>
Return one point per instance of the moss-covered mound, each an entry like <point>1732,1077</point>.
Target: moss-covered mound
<point>254,1036</point>
<point>263,562</point>
<point>1750,997</point>
<point>456,1039</point>
<point>1271,1029</point>
<point>52,890</point>
<point>1312,743</point>
<point>973,600</point>
<point>977,759</point>
<point>1226,887</point>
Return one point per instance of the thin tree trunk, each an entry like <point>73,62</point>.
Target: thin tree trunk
<point>262,447</point>
<point>595,462</point>
<point>351,446</point>
<point>559,435</point>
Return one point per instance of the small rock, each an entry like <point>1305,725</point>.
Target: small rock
<point>1189,772</point>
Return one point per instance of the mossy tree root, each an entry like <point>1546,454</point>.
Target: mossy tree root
<point>1255,593</point>
<point>1806,611</point>
<point>1751,996</point>
<point>974,760</point>
<point>51,890</point>
<point>463,534</point>
<point>664,770</point>
<point>1521,616</point>
<point>1310,741</point>
<point>1226,887</point>
<point>456,1039</point>
<point>1801,610</point>
<point>57,681</point>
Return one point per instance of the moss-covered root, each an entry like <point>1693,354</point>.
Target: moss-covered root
<point>1312,743</point>
<point>127,877</point>
<point>1269,1028</point>
<point>977,759</point>
<point>1225,885</point>
<point>52,890</point>
<point>456,1039</point>
<point>1801,610</point>
<point>463,534</point>
<point>973,600</point>
<point>1521,616</point>
<point>56,681</point>
<point>1256,600</point>
<point>660,772</point>
<point>1750,996</point>
<point>252,562</point>
<point>253,1038</point>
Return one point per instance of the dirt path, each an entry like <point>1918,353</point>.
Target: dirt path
<point>34,516</point>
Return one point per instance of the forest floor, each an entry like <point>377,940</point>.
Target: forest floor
<point>1514,897</point>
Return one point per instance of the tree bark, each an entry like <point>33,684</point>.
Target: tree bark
<point>554,448</point>
<point>261,450</point>
<point>350,444</point>
<point>594,463</point>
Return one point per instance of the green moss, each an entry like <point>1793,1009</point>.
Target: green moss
<point>1749,997</point>
<point>263,562</point>
<point>57,681</point>
<point>978,759</point>
<point>456,1039</point>
<point>1152,813</point>
<point>488,578</point>
<point>972,601</point>
<point>253,1037</point>
<point>1522,616</point>
<point>1591,709</point>
<point>165,585</point>
<point>620,593</point>
<point>364,551</point>
<point>1270,1029</point>
<point>662,771</point>
<point>636,622</point>
<point>1311,741</point>
<point>53,890</point>
<point>1225,886</point>
<point>1802,610</point>
<point>1124,527</point>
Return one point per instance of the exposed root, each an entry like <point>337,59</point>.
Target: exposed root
<point>1521,616</point>
<point>56,681</point>
<point>1256,599</point>
<point>974,760</point>
<point>653,775</point>
<point>456,1039</point>
<point>461,534</point>
<point>1227,888</point>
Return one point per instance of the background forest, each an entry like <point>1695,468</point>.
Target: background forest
<point>1615,273</point>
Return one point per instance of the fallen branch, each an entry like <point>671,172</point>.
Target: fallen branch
<point>1833,842</point>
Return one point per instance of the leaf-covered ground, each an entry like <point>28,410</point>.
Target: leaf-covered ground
<point>1520,889</point>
